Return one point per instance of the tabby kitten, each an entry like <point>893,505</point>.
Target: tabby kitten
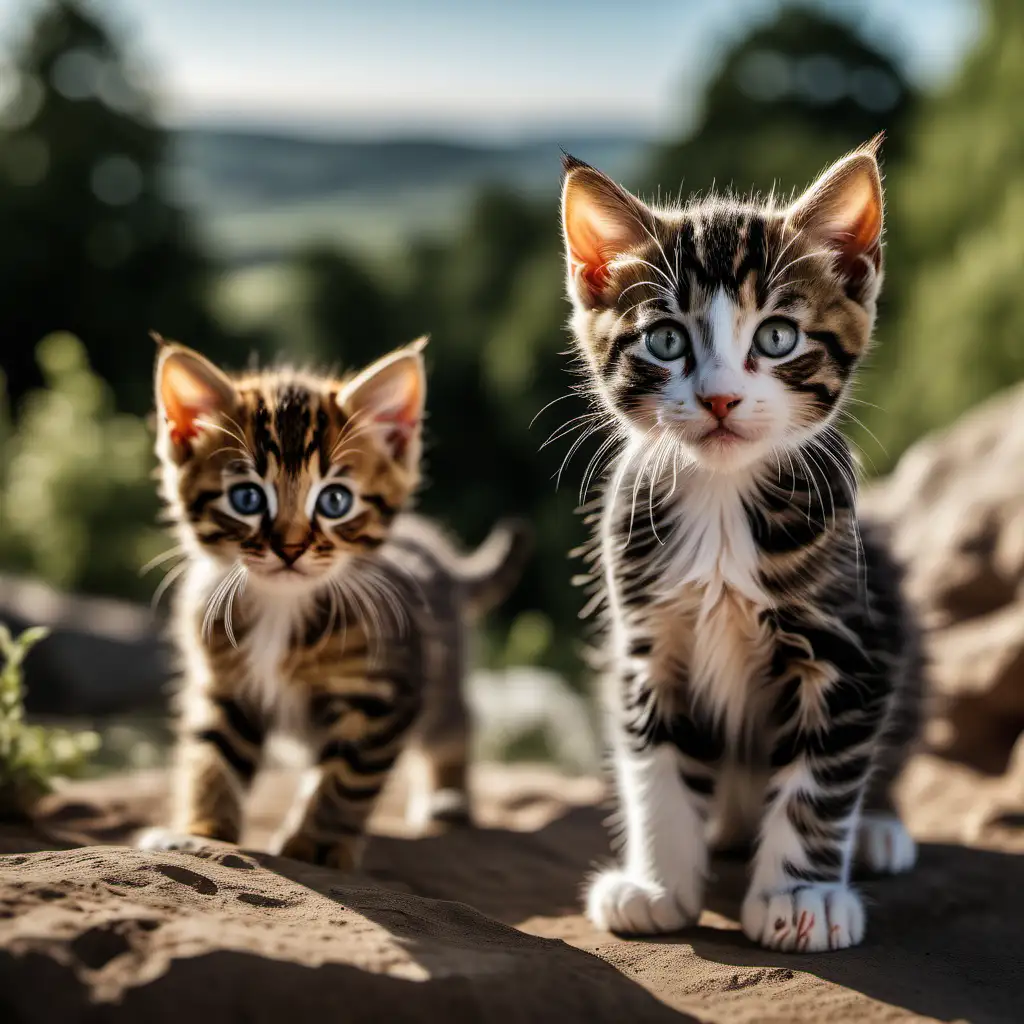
<point>762,674</point>
<point>309,604</point>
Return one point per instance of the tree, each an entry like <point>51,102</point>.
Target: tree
<point>786,100</point>
<point>91,242</point>
<point>344,316</point>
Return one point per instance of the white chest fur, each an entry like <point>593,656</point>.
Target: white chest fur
<point>276,620</point>
<point>709,599</point>
<point>271,621</point>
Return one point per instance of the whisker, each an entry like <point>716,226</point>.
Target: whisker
<point>569,427</point>
<point>236,589</point>
<point>172,552</point>
<point>589,432</point>
<point>593,466</point>
<point>170,577</point>
<point>554,401</point>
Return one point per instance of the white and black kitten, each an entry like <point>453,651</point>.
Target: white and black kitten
<point>763,677</point>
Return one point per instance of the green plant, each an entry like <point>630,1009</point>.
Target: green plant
<point>77,497</point>
<point>30,755</point>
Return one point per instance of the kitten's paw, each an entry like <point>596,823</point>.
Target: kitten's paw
<point>168,839</point>
<point>807,919</point>
<point>884,845</point>
<point>621,904</point>
<point>340,854</point>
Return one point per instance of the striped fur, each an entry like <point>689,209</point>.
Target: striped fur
<point>762,675</point>
<point>347,632</point>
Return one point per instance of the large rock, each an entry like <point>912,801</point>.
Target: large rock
<point>475,924</point>
<point>112,934</point>
<point>954,508</point>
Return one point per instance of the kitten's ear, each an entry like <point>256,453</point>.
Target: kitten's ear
<point>188,387</point>
<point>389,398</point>
<point>600,221</point>
<point>843,210</point>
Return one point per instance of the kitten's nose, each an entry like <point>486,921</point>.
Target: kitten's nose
<point>719,405</point>
<point>290,553</point>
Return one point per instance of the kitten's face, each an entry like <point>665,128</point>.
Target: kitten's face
<point>727,329</point>
<point>284,474</point>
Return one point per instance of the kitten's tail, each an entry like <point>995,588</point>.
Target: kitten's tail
<point>489,574</point>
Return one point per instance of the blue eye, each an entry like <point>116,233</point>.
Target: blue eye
<point>247,499</point>
<point>334,501</point>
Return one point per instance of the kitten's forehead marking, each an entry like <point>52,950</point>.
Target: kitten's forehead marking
<point>723,318</point>
<point>293,423</point>
<point>288,426</point>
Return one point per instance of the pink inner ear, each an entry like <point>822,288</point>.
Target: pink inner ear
<point>400,426</point>
<point>845,208</point>
<point>184,400</point>
<point>601,222</point>
<point>397,439</point>
<point>594,237</point>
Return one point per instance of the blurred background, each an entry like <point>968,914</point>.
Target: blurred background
<point>327,179</point>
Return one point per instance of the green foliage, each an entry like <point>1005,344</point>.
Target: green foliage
<point>30,755</point>
<point>76,496</point>
<point>951,329</point>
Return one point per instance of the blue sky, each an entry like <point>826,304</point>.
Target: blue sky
<point>469,68</point>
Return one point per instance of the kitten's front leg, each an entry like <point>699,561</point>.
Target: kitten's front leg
<point>663,794</point>
<point>359,738</point>
<point>219,746</point>
<point>800,898</point>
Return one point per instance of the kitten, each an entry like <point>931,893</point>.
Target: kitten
<point>758,657</point>
<point>309,604</point>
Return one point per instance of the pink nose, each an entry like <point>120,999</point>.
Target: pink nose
<point>719,405</point>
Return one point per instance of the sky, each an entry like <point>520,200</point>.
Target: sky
<point>470,68</point>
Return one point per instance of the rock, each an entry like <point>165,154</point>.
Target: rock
<point>102,656</point>
<point>114,934</point>
<point>475,924</point>
<point>529,703</point>
<point>954,509</point>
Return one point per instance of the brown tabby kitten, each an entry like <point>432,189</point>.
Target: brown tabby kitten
<point>309,604</point>
<point>762,672</point>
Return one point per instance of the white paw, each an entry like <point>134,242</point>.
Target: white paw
<point>808,919</point>
<point>621,904</point>
<point>884,845</point>
<point>166,839</point>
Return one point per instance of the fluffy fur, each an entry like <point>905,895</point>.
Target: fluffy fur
<point>762,676</point>
<point>310,603</point>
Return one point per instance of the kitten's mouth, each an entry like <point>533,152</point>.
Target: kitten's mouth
<point>722,435</point>
<point>277,570</point>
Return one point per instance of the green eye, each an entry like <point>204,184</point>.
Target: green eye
<point>776,337</point>
<point>667,342</point>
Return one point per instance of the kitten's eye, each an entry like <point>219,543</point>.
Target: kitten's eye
<point>667,342</point>
<point>776,337</point>
<point>334,501</point>
<point>247,499</point>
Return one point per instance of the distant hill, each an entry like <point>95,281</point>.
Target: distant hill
<point>260,194</point>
